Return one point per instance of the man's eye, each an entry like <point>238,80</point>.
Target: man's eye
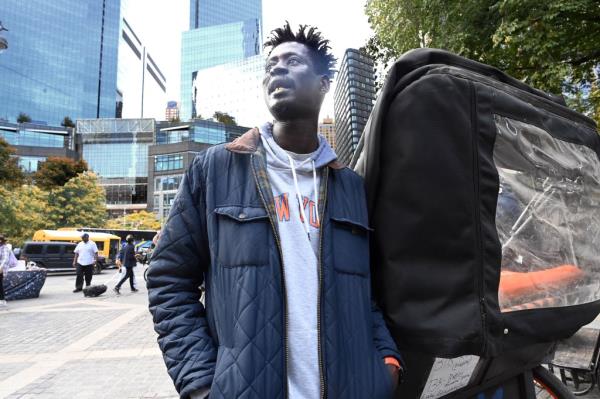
<point>293,61</point>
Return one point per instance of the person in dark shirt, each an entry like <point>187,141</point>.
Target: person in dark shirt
<point>127,258</point>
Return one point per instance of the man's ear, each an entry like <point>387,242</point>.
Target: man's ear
<point>325,83</point>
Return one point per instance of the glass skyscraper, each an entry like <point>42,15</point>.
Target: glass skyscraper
<point>217,12</point>
<point>62,59</point>
<point>218,89</point>
<point>353,101</point>
<point>221,31</point>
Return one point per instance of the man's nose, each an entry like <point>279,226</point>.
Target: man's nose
<point>278,69</point>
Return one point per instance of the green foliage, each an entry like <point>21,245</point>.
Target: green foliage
<point>141,220</point>
<point>23,210</point>
<point>23,117</point>
<point>549,44</point>
<point>225,118</point>
<point>80,202</point>
<point>67,122</point>
<point>56,171</point>
<point>10,173</point>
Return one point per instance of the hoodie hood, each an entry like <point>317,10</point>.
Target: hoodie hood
<point>278,157</point>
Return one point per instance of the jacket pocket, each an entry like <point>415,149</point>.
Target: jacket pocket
<point>350,243</point>
<point>243,236</point>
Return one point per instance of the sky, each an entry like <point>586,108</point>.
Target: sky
<point>161,22</point>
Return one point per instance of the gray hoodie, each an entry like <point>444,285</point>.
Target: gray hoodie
<point>293,176</point>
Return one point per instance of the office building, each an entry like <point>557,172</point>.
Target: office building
<point>141,85</point>
<point>76,58</point>
<point>62,59</point>
<point>205,13</point>
<point>172,111</point>
<point>234,88</point>
<point>35,143</point>
<point>175,147</point>
<point>327,129</point>
<point>117,151</point>
<point>353,101</point>
<point>220,32</point>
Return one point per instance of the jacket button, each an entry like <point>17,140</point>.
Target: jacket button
<point>242,215</point>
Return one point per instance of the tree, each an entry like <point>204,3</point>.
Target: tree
<point>67,122</point>
<point>23,211</point>
<point>56,171</point>
<point>225,118</point>
<point>141,220</point>
<point>549,44</point>
<point>80,202</point>
<point>23,118</point>
<point>10,172</point>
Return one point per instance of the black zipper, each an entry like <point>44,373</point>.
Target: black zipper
<point>478,238</point>
<point>321,368</point>
<point>284,294</point>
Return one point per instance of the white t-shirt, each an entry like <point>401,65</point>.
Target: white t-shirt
<point>86,251</point>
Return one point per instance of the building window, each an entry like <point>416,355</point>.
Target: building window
<point>168,162</point>
<point>30,164</point>
<point>167,183</point>
<point>33,139</point>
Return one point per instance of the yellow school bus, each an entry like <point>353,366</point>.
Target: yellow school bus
<point>108,244</point>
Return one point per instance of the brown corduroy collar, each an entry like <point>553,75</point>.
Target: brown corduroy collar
<point>248,142</point>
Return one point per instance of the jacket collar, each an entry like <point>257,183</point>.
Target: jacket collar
<point>249,142</point>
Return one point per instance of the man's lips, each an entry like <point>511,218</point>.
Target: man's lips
<point>279,85</point>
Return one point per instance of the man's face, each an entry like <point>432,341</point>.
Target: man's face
<point>292,88</point>
<point>85,238</point>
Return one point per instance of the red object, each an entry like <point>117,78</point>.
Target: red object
<point>515,285</point>
<point>392,360</point>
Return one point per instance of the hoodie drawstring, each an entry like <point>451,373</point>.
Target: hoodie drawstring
<point>299,195</point>
<point>316,192</point>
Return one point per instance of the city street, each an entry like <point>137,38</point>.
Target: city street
<point>63,345</point>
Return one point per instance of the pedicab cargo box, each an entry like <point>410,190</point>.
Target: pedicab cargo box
<point>484,195</point>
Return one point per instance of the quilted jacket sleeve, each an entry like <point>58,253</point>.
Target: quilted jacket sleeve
<point>383,339</point>
<point>176,271</point>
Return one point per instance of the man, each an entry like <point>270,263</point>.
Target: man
<point>276,229</point>
<point>86,256</point>
<point>4,265</point>
<point>127,259</point>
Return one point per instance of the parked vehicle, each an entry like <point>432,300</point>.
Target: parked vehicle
<point>55,256</point>
<point>108,244</point>
<point>143,247</point>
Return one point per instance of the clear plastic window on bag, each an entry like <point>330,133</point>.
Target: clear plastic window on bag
<point>547,218</point>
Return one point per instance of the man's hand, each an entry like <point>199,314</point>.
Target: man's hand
<point>394,375</point>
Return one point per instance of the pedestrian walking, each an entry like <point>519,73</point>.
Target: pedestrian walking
<point>86,256</point>
<point>276,229</point>
<point>127,260</point>
<point>5,257</point>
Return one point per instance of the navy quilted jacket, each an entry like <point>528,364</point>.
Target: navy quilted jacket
<point>222,232</point>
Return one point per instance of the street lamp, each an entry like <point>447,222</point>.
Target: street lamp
<point>3,41</point>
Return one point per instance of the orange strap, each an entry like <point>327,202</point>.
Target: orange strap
<point>392,360</point>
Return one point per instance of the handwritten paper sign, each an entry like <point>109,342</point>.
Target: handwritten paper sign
<point>449,375</point>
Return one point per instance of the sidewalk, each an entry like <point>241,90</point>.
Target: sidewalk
<point>63,345</point>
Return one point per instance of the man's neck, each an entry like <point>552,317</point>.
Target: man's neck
<point>298,136</point>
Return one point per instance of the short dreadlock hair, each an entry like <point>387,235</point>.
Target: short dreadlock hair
<point>311,38</point>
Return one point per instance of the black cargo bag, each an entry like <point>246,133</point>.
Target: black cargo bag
<point>94,290</point>
<point>484,196</point>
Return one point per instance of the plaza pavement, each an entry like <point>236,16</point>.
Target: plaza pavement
<point>63,345</point>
